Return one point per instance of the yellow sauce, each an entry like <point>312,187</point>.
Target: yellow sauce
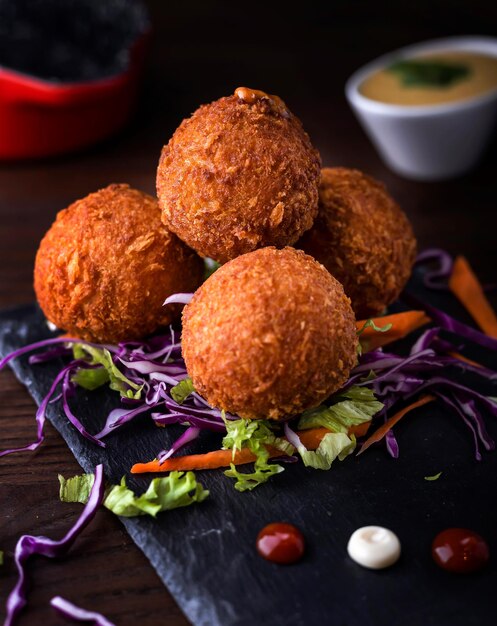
<point>387,86</point>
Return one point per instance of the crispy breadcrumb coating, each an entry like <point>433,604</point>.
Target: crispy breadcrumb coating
<point>107,264</point>
<point>269,335</point>
<point>363,238</point>
<point>238,175</point>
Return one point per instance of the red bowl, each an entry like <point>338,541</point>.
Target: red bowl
<point>41,118</point>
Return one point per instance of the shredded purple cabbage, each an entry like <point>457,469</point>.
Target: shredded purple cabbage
<point>436,278</point>
<point>49,354</point>
<point>392,445</point>
<point>190,434</point>
<point>62,378</point>
<point>450,324</point>
<point>156,366</point>
<point>68,391</point>
<point>70,610</point>
<point>395,379</point>
<point>292,437</point>
<point>29,545</point>
<point>179,298</point>
<point>451,401</point>
<point>119,417</point>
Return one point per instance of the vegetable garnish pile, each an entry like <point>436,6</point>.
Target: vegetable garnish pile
<point>151,378</point>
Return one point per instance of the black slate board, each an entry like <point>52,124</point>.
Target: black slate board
<point>205,554</point>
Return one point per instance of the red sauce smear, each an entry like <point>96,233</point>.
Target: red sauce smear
<point>281,543</point>
<point>460,550</point>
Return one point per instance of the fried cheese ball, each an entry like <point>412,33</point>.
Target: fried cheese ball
<point>363,239</point>
<point>107,264</point>
<point>238,175</point>
<point>269,335</point>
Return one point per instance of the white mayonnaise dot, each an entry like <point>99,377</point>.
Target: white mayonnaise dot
<point>374,547</point>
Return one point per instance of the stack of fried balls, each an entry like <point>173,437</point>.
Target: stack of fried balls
<point>304,250</point>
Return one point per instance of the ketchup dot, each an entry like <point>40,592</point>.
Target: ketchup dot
<point>280,543</point>
<point>460,550</point>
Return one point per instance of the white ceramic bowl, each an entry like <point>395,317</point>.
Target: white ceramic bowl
<point>428,142</point>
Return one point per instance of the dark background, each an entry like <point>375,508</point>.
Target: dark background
<point>199,52</point>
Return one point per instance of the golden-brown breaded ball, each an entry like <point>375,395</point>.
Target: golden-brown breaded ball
<point>269,335</point>
<point>238,175</point>
<point>363,238</point>
<point>107,264</point>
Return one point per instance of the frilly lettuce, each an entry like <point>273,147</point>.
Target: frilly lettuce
<point>255,435</point>
<point>261,474</point>
<point>352,407</point>
<point>332,446</point>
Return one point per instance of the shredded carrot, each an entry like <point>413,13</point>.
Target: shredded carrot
<point>467,288</point>
<point>222,458</point>
<point>402,324</point>
<point>360,430</point>
<point>390,423</point>
<point>311,438</point>
<point>465,359</point>
<point>210,460</point>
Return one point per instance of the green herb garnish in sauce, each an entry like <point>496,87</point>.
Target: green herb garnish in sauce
<point>429,73</point>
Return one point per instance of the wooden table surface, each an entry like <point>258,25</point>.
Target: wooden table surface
<point>200,52</point>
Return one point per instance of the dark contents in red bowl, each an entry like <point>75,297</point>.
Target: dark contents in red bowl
<point>69,40</point>
<point>69,72</point>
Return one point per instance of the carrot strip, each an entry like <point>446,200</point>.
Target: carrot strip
<point>222,458</point>
<point>390,423</point>
<point>311,438</point>
<point>465,359</point>
<point>402,324</point>
<point>360,430</point>
<point>210,460</point>
<point>467,288</point>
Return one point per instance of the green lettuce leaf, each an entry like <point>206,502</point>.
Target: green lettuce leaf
<point>370,324</point>
<point>332,446</point>
<point>434,477</point>
<point>91,379</point>
<point>1,557</point>
<point>354,406</point>
<point>210,267</point>
<point>116,379</point>
<point>163,494</point>
<point>255,435</point>
<point>182,390</point>
<point>75,489</point>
